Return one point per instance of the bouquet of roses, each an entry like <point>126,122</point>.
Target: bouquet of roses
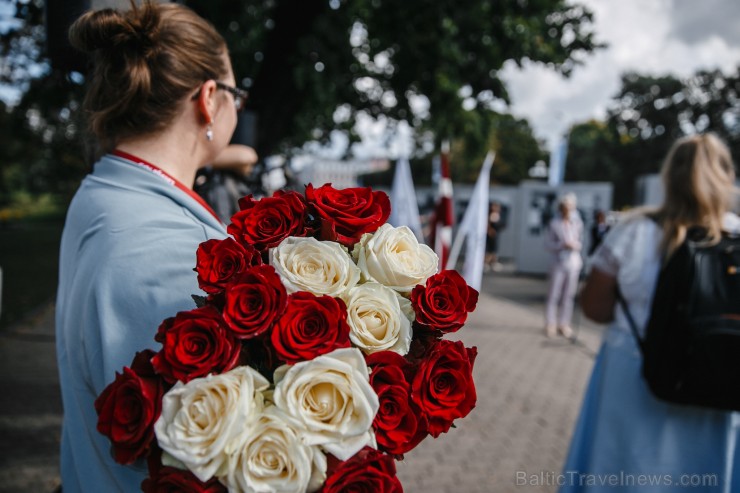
<point>314,362</point>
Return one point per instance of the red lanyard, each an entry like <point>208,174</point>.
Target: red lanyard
<point>166,177</point>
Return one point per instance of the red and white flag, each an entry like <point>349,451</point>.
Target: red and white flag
<point>443,215</point>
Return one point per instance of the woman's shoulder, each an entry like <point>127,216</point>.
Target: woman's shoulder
<point>634,222</point>
<point>631,230</point>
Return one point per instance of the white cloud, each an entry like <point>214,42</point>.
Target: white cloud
<point>646,37</point>
<point>690,19</point>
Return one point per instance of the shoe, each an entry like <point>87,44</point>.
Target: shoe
<point>497,267</point>
<point>550,331</point>
<point>566,331</point>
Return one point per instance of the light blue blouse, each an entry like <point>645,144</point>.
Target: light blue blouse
<point>126,263</point>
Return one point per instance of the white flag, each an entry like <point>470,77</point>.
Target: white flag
<point>404,208</point>
<point>473,228</point>
<point>558,155</point>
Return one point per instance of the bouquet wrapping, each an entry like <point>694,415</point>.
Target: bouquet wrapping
<point>315,360</point>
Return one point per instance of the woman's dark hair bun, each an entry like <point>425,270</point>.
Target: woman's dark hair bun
<point>145,62</point>
<point>109,29</point>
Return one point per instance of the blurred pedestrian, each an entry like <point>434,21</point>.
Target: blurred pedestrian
<point>496,224</point>
<point>563,239</point>
<point>224,181</point>
<point>623,429</point>
<point>598,231</point>
<point>162,103</point>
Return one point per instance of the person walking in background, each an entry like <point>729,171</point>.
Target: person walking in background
<point>495,225</point>
<point>162,103</point>
<point>563,239</point>
<point>623,428</point>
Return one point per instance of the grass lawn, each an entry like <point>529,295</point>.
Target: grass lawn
<point>29,258</point>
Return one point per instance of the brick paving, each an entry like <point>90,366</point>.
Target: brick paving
<point>31,411</point>
<point>529,393</point>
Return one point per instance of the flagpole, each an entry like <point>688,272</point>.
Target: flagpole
<point>443,215</point>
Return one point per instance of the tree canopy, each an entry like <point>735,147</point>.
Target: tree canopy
<point>313,65</point>
<point>646,116</point>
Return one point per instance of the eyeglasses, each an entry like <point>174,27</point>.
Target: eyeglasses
<point>240,95</point>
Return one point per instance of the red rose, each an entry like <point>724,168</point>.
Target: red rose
<point>166,479</point>
<point>128,408</point>
<point>311,326</point>
<point>347,214</point>
<point>194,344</point>
<point>260,355</point>
<point>266,222</point>
<point>444,302</point>
<point>368,471</point>
<point>253,301</point>
<point>219,261</point>
<point>421,344</point>
<point>399,424</point>
<point>443,386</point>
<point>172,480</point>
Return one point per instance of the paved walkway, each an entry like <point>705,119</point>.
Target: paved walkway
<point>529,393</point>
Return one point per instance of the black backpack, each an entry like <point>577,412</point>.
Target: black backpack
<point>691,349</point>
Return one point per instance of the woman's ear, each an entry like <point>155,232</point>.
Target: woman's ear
<point>207,101</point>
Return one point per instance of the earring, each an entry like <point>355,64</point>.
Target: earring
<point>209,133</point>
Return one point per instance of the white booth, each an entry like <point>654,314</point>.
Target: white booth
<point>537,204</point>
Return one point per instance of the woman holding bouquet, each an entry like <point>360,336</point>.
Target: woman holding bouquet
<point>162,103</point>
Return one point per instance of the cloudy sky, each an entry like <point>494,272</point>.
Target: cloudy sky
<point>654,37</point>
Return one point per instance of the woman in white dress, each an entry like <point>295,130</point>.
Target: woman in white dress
<point>625,438</point>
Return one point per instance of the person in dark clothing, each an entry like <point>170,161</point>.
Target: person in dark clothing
<point>495,225</point>
<point>599,229</point>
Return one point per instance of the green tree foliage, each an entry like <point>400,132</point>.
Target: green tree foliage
<point>517,150</point>
<point>40,143</point>
<point>590,148</point>
<point>41,150</point>
<point>647,115</point>
<point>657,110</point>
<point>321,62</point>
<point>312,66</point>
<point>21,42</point>
<point>647,119</point>
<point>593,149</point>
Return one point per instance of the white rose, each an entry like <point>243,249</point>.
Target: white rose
<point>376,319</point>
<point>395,258</point>
<point>320,267</point>
<point>199,418</point>
<point>331,399</point>
<point>407,308</point>
<point>269,456</point>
